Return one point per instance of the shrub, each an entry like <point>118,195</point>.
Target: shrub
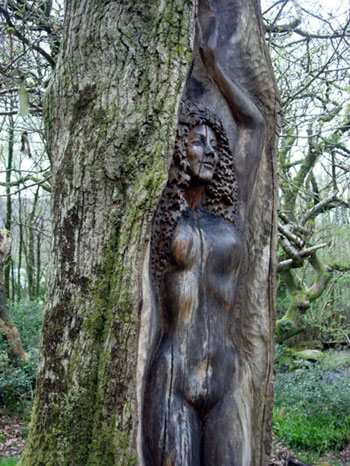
<point>17,381</point>
<point>17,378</point>
<point>27,317</point>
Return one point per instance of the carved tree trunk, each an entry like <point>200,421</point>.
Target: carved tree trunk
<point>111,113</point>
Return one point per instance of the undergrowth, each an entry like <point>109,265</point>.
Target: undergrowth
<point>17,378</point>
<point>312,409</point>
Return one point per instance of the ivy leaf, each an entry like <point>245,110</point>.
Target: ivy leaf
<point>23,100</point>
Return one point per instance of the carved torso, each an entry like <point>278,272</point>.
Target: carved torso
<point>199,291</point>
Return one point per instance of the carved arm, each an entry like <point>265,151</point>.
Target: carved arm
<point>243,109</point>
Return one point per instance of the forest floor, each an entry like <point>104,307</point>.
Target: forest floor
<point>281,456</point>
<point>14,430</point>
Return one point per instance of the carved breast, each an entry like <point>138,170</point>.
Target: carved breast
<point>206,256</point>
<point>205,240</point>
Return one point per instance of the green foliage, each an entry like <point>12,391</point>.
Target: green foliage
<point>17,381</point>
<point>27,317</point>
<point>17,378</point>
<point>283,325</point>
<point>312,409</point>
<point>336,359</point>
<point>329,317</point>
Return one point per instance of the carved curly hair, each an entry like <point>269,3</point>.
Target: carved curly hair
<point>220,193</point>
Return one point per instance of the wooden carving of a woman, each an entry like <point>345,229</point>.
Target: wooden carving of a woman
<point>190,411</point>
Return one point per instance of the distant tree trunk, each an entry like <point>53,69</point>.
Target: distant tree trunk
<point>30,248</point>
<point>111,113</point>
<point>293,323</point>
<point>38,259</point>
<point>8,219</point>
<point>20,248</point>
<point>12,337</point>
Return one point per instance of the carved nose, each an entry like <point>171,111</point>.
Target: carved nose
<point>209,151</point>
<point>211,155</point>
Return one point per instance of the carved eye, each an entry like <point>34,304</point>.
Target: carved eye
<point>196,142</point>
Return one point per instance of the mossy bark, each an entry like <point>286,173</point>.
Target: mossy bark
<point>293,323</point>
<point>110,117</point>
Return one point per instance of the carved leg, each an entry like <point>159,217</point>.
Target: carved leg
<point>225,441</point>
<point>171,428</point>
<point>171,433</point>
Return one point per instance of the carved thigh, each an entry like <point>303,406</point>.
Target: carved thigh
<point>225,441</point>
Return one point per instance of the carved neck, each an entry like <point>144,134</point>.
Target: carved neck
<point>194,195</point>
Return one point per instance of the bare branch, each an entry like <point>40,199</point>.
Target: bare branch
<point>318,207</point>
<point>299,256</point>
<point>283,28</point>
<point>288,264</point>
<point>21,37</point>
<point>291,236</point>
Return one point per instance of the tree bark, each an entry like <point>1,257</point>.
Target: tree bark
<point>111,113</point>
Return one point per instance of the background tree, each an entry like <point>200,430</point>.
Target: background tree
<point>311,55</point>
<point>29,41</point>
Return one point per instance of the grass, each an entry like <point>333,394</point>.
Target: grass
<point>312,409</point>
<point>8,461</point>
<point>336,359</point>
<point>319,433</point>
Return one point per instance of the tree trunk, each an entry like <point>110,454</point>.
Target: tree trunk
<point>30,248</point>
<point>111,113</point>
<point>12,337</point>
<point>8,220</point>
<point>20,249</point>
<point>38,258</point>
<point>293,323</point>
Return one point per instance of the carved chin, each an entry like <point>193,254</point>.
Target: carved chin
<point>204,174</point>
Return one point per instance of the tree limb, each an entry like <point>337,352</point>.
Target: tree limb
<point>298,257</point>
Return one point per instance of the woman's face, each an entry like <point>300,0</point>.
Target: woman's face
<point>201,153</point>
